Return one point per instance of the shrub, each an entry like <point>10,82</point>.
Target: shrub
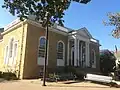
<point>107,61</point>
<point>9,76</point>
<point>0,74</point>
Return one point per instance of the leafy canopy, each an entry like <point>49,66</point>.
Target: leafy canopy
<point>39,8</point>
<point>114,20</point>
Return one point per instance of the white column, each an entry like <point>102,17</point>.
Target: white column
<point>81,54</point>
<point>87,54</point>
<point>78,53</point>
<point>68,53</point>
<point>75,52</point>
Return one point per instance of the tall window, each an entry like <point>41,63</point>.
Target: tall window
<point>15,53</point>
<point>93,56</point>
<point>15,49</point>
<point>11,48</point>
<point>41,52</point>
<point>60,50</point>
<point>6,55</point>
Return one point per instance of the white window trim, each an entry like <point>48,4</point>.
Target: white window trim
<point>10,59</point>
<point>15,54</point>
<point>12,37</point>
<point>12,47</point>
<point>62,60</point>
<point>6,55</point>
<point>41,59</point>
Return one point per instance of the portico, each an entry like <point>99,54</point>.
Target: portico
<point>78,48</point>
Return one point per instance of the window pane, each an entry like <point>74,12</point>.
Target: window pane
<point>60,50</point>
<point>6,55</point>
<point>93,56</point>
<point>11,48</point>
<point>41,54</point>
<point>15,50</point>
<point>42,42</point>
<point>41,48</point>
<point>59,55</point>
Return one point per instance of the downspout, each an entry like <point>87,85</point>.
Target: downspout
<point>21,51</point>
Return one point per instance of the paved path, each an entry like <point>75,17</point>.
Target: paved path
<point>37,85</point>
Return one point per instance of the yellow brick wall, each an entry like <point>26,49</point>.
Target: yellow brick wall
<point>1,54</point>
<point>18,33</point>
<point>31,68</point>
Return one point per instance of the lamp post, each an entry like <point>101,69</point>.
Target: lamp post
<point>46,47</point>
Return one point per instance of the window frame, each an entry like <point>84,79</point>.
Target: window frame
<point>61,62</point>
<point>6,54</point>
<point>93,62</point>
<point>40,60</point>
<point>15,52</point>
<point>41,48</point>
<point>11,48</point>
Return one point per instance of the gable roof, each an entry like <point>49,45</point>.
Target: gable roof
<point>85,32</point>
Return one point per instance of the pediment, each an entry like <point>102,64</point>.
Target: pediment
<point>84,32</point>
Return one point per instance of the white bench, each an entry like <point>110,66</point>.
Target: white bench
<point>98,78</point>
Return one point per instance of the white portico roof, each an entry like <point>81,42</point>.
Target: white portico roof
<point>83,33</point>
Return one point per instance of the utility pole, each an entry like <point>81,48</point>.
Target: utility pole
<point>46,48</point>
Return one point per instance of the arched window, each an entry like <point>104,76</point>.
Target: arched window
<point>60,50</point>
<point>60,53</point>
<point>41,52</point>
<point>93,58</point>
<point>11,48</point>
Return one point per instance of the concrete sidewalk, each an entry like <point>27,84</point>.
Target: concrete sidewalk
<point>37,85</point>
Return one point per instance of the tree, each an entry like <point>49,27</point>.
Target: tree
<point>107,61</point>
<point>47,12</point>
<point>39,8</point>
<point>114,20</point>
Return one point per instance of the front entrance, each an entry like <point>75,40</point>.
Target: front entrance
<point>72,56</point>
<point>82,54</point>
<point>78,59</point>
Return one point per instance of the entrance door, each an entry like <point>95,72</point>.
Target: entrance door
<point>72,56</point>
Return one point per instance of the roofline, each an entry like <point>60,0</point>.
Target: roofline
<point>16,23</point>
<point>50,28</point>
<point>10,27</point>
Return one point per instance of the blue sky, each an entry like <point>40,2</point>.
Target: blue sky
<point>89,16</point>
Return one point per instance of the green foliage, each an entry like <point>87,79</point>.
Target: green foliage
<point>107,61</point>
<point>62,76</point>
<point>114,20</point>
<point>39,8</point>
<point>9,76</point>
<point>0,74</point>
